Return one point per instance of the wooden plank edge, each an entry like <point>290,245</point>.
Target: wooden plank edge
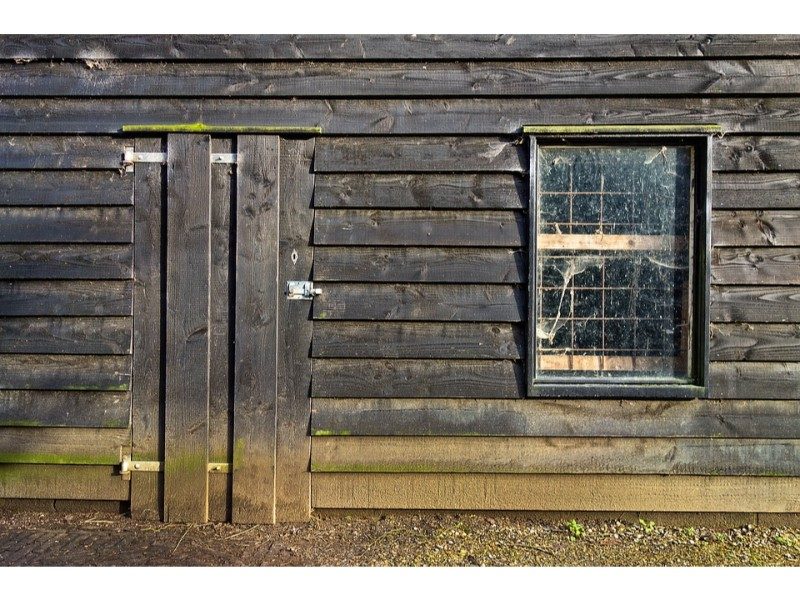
<point>653,129</point>
<point>200,127</point>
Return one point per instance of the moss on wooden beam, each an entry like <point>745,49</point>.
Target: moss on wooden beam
<point>207,128</point>
<point>655,129</point>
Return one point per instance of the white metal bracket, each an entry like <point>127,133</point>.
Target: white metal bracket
<point>128,466</point>
<point>131,157</point>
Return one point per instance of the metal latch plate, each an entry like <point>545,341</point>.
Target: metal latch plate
<point>301,290</point>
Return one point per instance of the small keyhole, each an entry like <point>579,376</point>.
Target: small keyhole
<point>294,257</point>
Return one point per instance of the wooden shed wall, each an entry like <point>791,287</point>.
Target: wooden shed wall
<point>420,246</point>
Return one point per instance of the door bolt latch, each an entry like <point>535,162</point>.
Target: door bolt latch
<point>301,290</point>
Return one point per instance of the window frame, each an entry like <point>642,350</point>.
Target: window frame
<point>700,137</point>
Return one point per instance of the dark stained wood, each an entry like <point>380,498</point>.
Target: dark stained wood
<point>333,339</point>
<point>65,298</point>
<point>430,153</point>
<point>66,335</point>
<point>766,419</point>
<point>756,190</point>
<point>64,372</point>
<point>457,116</point>
<point>255,385</point>
<point>65,482</point>
<point>396,378</point>
<point>688,456</point>
<point>421,302</point>
<point>755,304</point>
<point>65,188</point>
<point>755,341</point>
<point>754,266</point>
<point>60,152</point>
<point>405,79</point>
<point>66,225</point>
<point>27,408</point>
<point>148,334</point>
<point>63,261</point>
<point>756,153</point>
<point>295,262</point>
<point>420,228</point>
<point>755,380</point>
<point>415,264</point>
<point>755,228</point>
<point>383,47</point>
<point>187,335</point>
<point>63,446</point>
<point>430,190</point>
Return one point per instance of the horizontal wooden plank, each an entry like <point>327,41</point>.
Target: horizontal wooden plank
<point>755,228</point>
<point>420,302</point>
<point>755,304</point>
<point>62,446</point>
<point>687,456</point>
<point>388,46</point>
<point>416,116</point>
<point>66,335</point>
<point>63,261</point>
<point>779,380</point>
<point>421,154</point>
<point>65,188</point>
<point>755,341</point>
<point>756,190</point>
<point>415,264</point>
<point>555,492</point>
<point>66,298</point>
<point>60,152</point>
<point>756,153</point>
<point>420,228</point>
<point>336,339</point>
<point>63,482</point>
<point>372,378</point>
<point>754,266</point>
<point>463,191</point>
<point>64,372</point>
<point>768,419</point>
<point>66,225</point>
<point>34,408</point>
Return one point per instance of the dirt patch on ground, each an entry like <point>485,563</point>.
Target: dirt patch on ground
<point>386,540</point>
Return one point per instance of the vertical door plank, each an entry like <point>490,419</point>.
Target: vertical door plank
<point>293,451</point>
<point>258,188</point>
<point>187,339</point>
<point>147,415</point>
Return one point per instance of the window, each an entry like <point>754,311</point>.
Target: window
<point>619,273</point>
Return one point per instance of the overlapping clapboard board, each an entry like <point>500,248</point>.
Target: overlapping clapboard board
<point>66,294</point>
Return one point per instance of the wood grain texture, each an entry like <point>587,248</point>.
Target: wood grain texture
<point>755,266</point>
<point>462,191</point>
<point>65,188</point>
<point>66,261</point>
<point>763,304</point>
<point>334,339</point>
<point>755,228</point>
<point>66,225</point>
<point>64,372</point>
<point>60,152</point>
<point>147,389</point>
<point>34,408</point>
<point>63,446</point>
<point>420,302</point>
<point>756,153</point>
<point>255,385</point>
<point>767,419</point>
<point>755,341</point>
<point>65,335</point>
<point>187,331</point>
<point>65,482</point>
<point>756,190</point>
<point>460,491</point>
<point>779,380</point>
<point>640,456</point>
<point>397,378</point>
<point>295,262</point>
<point>421,154</point>
<point>420,228</point>
<point>65,298</point>
<point>421,264</point>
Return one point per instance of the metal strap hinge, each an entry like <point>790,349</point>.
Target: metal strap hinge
<point>301,290</point>
<point>128,466</point>
<point>131,157</point>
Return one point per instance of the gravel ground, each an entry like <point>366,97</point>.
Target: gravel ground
<point>389,540</point>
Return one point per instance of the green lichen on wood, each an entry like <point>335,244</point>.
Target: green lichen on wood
<point>48,458</point>
<point>200,127</point>
<point>659,128</point>
<point>331,432</point>
<point>19,423</point>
